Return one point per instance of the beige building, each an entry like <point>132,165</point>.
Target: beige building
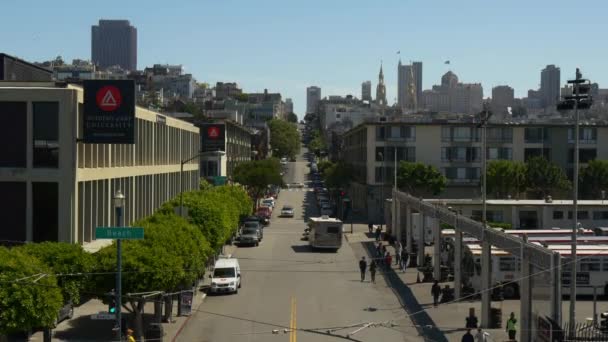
<point>58,189</point>
<point>453,97</point>
<point>455,150</point>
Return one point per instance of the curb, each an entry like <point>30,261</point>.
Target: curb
<point>204,295</point>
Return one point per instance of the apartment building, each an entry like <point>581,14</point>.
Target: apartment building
<point>455,149</point>
<point>56,188</point>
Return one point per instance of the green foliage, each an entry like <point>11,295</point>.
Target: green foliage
<point>257,175</point>
<point>544,178</point>
<point>323,165</point>
<point>241,97</point>
<point>32,302</point>
<point>593,179</point>
<point>506,177</point>
<point>338,175</point>
<point>443,226</point>
<point>419,179</point>
<point>65,258</point>
<point>284,138</point>
<point>292,117</point>
<point>502,225</point>
<point>317,143</point>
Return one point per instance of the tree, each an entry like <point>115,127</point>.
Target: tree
<point>65,258</point>
<point>506,177</point>
<point>338,175</point>
<point>257,175</point>
<point>284,138</point>
<point>544,177</point>
<point>593,179</point>
<point>29,295</point>
<point>419,179</point>
<point>323,165</point>
<point>292,117</point>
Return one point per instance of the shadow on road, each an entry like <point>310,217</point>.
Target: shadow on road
<point>424,323</point>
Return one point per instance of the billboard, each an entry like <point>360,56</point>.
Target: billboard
<point>109,112</point>
<point>213,137</point>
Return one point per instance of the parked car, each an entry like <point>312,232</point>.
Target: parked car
<point>254,225</point>
<point>287,211</point>
<point>268,202</point>
<point>249,236</point>
<point>226,276</point>
<point>254,218</point>
<point>264,213</point>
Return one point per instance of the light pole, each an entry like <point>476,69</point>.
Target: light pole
<point>383,173</point>
<point>484,118</point>
<point>181,182</point>
<point>581,99</point>
<point>119,204</point>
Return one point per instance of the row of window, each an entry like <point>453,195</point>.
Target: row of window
<point>582,215</point>
<point>387,153</point>
<point>407,133</point>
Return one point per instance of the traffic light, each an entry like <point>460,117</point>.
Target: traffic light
<point>581,95</point>
<point>112,305</point>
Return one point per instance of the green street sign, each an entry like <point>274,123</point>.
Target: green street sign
<point>124,233</point>
<point>219,180</point>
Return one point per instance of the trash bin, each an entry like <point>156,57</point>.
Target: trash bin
<point>495,318</point>
<point>155,332</point>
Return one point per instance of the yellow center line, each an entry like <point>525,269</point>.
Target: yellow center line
<point>295,321</point>
<point>292,322</point>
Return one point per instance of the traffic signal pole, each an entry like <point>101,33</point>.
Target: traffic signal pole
<point>119,223</point>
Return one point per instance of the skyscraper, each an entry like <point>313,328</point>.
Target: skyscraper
<point>114,42</point>
<point>366,91</point>
<point>313,96</point>
<point>409,86</point>
<point>550,85</point>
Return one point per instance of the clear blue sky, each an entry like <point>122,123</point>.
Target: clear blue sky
<point>287,45</point>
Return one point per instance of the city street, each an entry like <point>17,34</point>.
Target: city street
<point>286,285</point>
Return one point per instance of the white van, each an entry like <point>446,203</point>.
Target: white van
<point>226,276</point>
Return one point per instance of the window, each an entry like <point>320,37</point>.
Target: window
<point>461,134</point>
<point>13,133</point>
<point>536,135</point>
<point>491,215</point>
<point>338,115</point>
<point>460,174</point>
<point>558,215</point>
<point>582,215</point>
<point>507,264</point>
<point>395,132</point>
<point>600,215</point>
<point>500,134</point>
<point>587,135</point>
<point>537,152</point>
<point>46,134</point>
<point>13,203</point>
<point>380,133</point>
<point>460,154</point>
<point>585,155</point>
<point>45,217</point>
<point>505,153</point>
<point>379,153</point>
<point>590,264</point>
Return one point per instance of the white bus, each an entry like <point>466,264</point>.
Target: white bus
<point>592,268</point>
<point>325,233</point>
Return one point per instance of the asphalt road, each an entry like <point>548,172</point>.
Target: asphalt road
<point>287,286</point>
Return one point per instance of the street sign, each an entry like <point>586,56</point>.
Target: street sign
<point>124,233</point>
<point>109,112</point>
<point>219,180</point>
<point>103,316</point>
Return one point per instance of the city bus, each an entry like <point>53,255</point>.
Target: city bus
<point>592,267</point>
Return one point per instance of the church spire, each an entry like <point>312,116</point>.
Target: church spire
<point>381,89</point>
<point>381,75</point>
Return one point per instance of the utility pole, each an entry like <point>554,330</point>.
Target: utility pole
<point>486,256</point>
<point>581,99</point>
<point>119,203</point>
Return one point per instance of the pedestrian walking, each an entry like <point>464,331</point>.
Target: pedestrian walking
<point>468,337</point>
<point>398,256</point>
<point>370,227</point>
<point>130,337</point>
<point>362,267</point>
<point>404,259</point>
<point>435,291</point>
<point>372,270</point>
<point>388,259</point>
<point>471,320</point>
<point>378,232</point>
<point>512,327</point>
<point>379,249</point>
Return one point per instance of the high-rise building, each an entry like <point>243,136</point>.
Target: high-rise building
<point>114,42</point>
<point>453,97</point>
<point>409,86</point>
<point>313,96</point>
<point>366,91</point>
<point>550,85</point>
<point>381,89</point>
<point>502,97</point>
<point>417,71</point>
<point>288,106</point>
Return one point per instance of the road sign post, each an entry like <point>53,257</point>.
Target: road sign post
<point>103,316</point>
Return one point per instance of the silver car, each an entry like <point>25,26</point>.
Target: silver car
<point>287,211</point>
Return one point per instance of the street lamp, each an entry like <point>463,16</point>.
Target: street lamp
<point>383,173</point>
<point>119,204</point>
<point>581,99</point>
<point>484,117</point>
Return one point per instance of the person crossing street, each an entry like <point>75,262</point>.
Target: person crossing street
<point>372,271</point>
<point>362,267</point>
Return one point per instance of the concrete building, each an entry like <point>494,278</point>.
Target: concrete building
<point>171,80</point>
<point>114,42</point>
<point>409,85</point>
<point>366,91</point>
<point>532,214</point>
<point>225,90</point>
<point>288,106</point>
<point>550,86</point>
<point>84,70</point>
<point>453,147</point>
<point>58,189</point>
<point>313,96</point>
<point>503,97</point>
<point>453,97</point>
<point>15,69</point>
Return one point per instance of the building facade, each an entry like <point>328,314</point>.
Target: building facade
<point>225,136</point>
<point>409,86</point>
<point>288,106</point>
<point>58,189</point>
<point>15,69</point>
<point>453,97</point>
<point>550,86</point>
<point>313,96</point>
<point>114,42</point>
<point>224,90</point>
<point>366,91</point>
<point>503,97</point>
<point>455,150</point>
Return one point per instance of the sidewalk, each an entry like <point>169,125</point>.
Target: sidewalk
<point>444,323</point>
<point>82,328</point>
